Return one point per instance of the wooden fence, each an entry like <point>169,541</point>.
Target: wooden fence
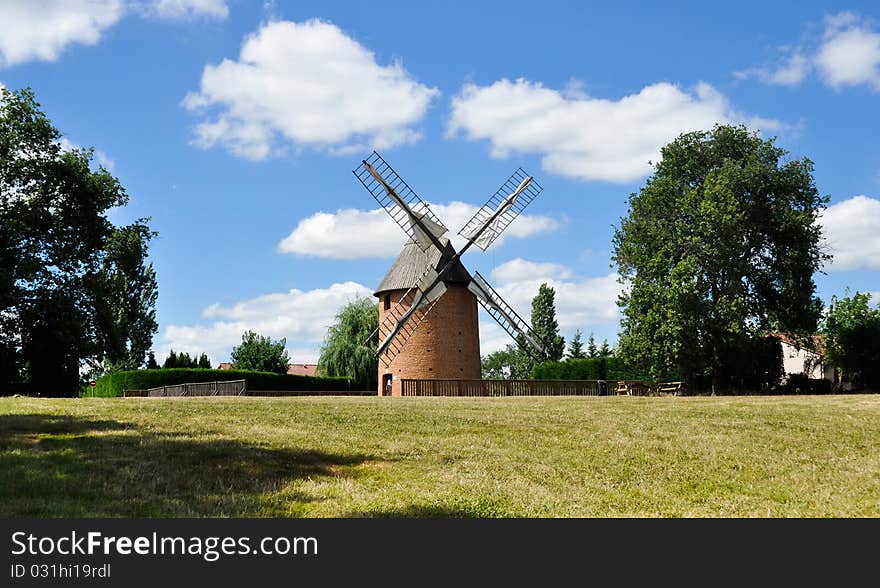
<point>507,387</point>
<point>228,388</point>
<point>538,388</point>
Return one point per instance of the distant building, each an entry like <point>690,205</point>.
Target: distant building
<point>805,357</point>
<point>302,369</point>
<point>293,369</point>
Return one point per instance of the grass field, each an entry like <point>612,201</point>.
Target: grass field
<point>512,457</point>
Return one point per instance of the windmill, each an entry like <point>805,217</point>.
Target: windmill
<point>429,268</point>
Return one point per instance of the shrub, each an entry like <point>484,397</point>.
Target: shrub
<point>801,384</point>
<point>115,384</point>
<point>591,368</point>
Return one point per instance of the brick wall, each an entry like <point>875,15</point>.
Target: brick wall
<point>446,346</point>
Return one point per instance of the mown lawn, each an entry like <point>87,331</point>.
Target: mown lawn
<point>512,457</point>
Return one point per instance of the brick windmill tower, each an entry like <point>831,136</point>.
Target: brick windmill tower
<point>428,326</point>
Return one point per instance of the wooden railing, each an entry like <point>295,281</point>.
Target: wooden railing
<point>228,388</point>
<point>507,387</point>
<point>538,388</point>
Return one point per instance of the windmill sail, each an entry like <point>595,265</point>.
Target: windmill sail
<point>405,317</point>
<point>395,196</point>
<point>501,209</point>
<point>505,316</point>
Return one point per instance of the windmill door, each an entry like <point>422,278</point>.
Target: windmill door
<point>386,384</point>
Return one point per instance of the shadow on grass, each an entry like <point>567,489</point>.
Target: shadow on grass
<point>63,466</point>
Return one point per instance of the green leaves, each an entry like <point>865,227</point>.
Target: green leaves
<point>260,353</point>
<point>74,289</point>
<point>721,243</point>
<point>349,348</point>
<point>852,330</point>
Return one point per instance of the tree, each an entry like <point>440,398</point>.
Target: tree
<point>510,363</point>
<point>54,240</point>
<point>544,322</point>
<point>204,363</point>
<point>260,353</point>
<point>592,350</point>
<point>852,339</point>
<point>719,247</point>
<point>151,361</point>
<point>124,293</point>
<point>170,361</point>
<point>605,350</point>
<point>349,349</point>
<point>576,346</point>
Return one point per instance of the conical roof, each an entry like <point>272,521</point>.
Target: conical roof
<point>411,264</point>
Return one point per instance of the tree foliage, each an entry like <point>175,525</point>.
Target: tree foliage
<point>852,339</point>
<point>60,258</point>
<point>717,248</point>
<point>544,322</point>
<point>349,349</point>
<point>510,363</point>
<point>576,347</point>
<point>259,353</point>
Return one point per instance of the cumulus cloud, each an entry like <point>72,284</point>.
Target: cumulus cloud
<point>850,53</point>
<point>359,234</point>
<point>791,71</point>
<point>846,54</point>
<point>189,9</point>
<point>581,303</point>
<point>40,31</point>
<point>852,231</point>
<point>583,137</point>
<point>302,317</point>
<point>306,84</point>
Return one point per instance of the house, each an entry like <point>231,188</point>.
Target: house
<point>807,357</point>
<point>293,369</point>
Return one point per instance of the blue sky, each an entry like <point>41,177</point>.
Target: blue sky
<point>235,125</point>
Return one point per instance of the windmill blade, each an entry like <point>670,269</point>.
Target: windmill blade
<point>405,317</point>
<point>505,316</point>
<point>395,196</point>
<point>501,209</point>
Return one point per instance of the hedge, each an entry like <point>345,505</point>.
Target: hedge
<point>591,368</point>
<point>114,384</point>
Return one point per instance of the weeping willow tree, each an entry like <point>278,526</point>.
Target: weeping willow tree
<point>349,349</point>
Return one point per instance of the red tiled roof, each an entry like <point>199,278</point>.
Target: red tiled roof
<point>295,369</point>
<point>302,369</point>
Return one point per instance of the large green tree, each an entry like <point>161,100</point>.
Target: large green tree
<point>55,238</point>
<point>256,352</point>
<point>349,349</point>
<point>852,339</point>
<point>718,247</point>
<point>544,322</point>
<point>124,292</point>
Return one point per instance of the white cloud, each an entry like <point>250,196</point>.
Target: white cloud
<point>359,234</point>
<point>852,231</point>
<point>588,138</point>
<point>581,303</point>
<point>42,30</point>
<point>846,54</point>
<point>302,317</point>
<point>850,53</point>
<point>309,84</point>
<point>189,9</point>
<point>790,72</point>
